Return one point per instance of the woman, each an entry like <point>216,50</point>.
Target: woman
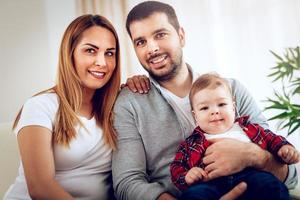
<point>65,134</point>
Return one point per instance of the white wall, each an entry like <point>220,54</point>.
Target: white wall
<point>229,36</point>
<point>29,36</point>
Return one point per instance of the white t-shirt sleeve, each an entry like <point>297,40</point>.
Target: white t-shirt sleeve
<point>40,111</point>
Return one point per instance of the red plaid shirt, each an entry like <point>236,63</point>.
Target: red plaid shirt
<point>191,151</point>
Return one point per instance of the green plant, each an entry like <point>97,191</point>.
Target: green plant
<point>287,71</point>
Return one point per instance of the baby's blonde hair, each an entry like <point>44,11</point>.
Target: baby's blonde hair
<point>211,81</point>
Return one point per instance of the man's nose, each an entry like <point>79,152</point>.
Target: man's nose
<point>153,47</point>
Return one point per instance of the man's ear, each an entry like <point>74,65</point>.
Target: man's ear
<point>181,34</point>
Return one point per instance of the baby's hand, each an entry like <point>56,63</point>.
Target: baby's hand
<point>289,154</point>
<point>195,174</point>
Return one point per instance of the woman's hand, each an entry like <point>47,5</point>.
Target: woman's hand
<point>138,83</point>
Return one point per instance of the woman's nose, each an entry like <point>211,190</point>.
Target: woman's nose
<point>100,60</point>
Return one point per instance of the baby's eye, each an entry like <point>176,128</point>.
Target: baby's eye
<point>222,104</point>
<point>204,108</point>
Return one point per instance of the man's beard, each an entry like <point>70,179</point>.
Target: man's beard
<point>169,75</point>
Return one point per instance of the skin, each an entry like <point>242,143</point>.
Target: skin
<point>289,154</point>
<point>158,47</point>
<point>213,110</point>
<point>95,62</point>
<point>97,45</point>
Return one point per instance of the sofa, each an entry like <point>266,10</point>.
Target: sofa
<point>9,155</point>
<point>9,162</point>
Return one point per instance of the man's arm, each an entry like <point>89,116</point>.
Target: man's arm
<point>247,106</point>
<point>219,155</point>
<point>129,170</point>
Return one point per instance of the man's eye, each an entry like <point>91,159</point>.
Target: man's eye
<point>140,43</point>
<point>161,35</point>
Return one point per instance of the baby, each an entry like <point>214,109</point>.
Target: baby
<point>213,107</point>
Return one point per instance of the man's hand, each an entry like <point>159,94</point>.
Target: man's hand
<point>289,154</point>
<point>166,196</point>
<point>228,156</point>
<point>237,191</point>
<point>225,157</point>
<point>195,174</point>
<point>138,83</point>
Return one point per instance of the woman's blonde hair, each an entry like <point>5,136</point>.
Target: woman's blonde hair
<point>69,88</point>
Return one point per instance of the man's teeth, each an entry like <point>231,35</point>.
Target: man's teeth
<point>158,59</point>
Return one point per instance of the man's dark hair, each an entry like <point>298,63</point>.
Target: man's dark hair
<point>147,8</point>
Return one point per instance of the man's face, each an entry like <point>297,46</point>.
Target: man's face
<point>158,46</point>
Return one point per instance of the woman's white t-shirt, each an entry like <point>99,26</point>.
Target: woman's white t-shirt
<point>83,169</point>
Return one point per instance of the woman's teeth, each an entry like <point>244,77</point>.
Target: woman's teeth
<point>97,74</point>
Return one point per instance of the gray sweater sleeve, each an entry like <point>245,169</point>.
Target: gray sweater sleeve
<point>130,178</point>
<point>246,105</point>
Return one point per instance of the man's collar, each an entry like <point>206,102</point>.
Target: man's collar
<point>158,86</point>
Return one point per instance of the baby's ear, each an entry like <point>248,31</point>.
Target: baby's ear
<point>234,106</point>
<point>194,114</point>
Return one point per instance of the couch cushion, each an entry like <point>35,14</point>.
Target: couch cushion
<point>9,157</point>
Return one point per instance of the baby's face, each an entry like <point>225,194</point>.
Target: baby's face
<point>214,110</point>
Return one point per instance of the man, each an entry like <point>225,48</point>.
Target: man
<point>150,126</point>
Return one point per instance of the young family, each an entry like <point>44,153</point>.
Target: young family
<point>84,139</point>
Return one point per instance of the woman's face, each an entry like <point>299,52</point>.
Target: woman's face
<point>95,57</point>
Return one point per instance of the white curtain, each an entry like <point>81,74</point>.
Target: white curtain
<point>232,37</point>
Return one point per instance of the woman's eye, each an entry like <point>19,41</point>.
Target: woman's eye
<point>90,51</point>
<point>109,53</point>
